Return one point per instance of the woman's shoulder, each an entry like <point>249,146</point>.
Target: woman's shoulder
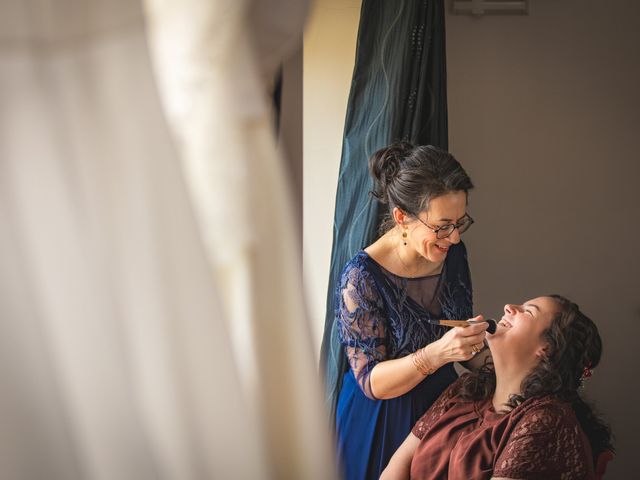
<point>358,269</point>
<point>538,423</point>
<point>546,413</point>
<point>546,402</point>
<point>360,261</point>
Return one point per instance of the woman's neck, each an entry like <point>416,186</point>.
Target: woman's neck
<point>408,259</point>
<point>508,383</point>
<point>399,259</point>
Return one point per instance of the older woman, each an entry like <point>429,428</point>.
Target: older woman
<point>520,417</point>
<point>415,272</point>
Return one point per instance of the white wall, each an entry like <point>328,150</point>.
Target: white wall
<point>544,114</point>
<point>329,52</point>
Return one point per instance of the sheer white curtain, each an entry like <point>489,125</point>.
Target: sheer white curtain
<point>114,357</point>
<point>214,59</point>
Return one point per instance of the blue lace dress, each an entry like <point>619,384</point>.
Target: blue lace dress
<point>381,316</point>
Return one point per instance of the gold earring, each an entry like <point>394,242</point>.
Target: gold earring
<point>404,237</point>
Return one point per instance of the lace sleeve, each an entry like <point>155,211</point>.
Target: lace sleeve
<point>361,322</point>
<point>546,443</point>
<point>437,410</point>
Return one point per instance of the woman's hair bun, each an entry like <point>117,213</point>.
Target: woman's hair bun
<point>385,165</point>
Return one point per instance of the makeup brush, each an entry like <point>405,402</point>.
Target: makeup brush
<point>465,323</point>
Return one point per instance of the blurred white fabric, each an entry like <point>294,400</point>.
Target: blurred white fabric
<point>114,359</point>
<point>214,91</point>
<point>215,96</point>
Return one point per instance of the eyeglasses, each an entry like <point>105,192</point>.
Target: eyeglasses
<point>444,231</point>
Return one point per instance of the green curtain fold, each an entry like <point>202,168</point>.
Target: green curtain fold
<point>398,92</point>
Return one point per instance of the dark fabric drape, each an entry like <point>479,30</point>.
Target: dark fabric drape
<point>398,92</point>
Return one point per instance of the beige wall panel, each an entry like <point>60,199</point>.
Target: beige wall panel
<point>329,53</point>
<point>544,114</point>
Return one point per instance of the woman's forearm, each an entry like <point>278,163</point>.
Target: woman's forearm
<point>392,378</point>
<point>399,467</point>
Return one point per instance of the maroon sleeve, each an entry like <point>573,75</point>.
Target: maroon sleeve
<point>437,410</point>
<point>546,443</point>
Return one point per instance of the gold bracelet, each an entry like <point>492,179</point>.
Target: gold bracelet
<point>416,363</point>
<point>426,364</point>
<point>421,362</point>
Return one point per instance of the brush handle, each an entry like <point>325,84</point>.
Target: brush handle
<point>465,323</point>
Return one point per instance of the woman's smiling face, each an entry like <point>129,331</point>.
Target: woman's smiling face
<point>519,332</point>
<point>445,209</point>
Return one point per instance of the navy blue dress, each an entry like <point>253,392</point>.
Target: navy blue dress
<point>381,316</point>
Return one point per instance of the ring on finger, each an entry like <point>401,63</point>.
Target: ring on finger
<point>476,348</point>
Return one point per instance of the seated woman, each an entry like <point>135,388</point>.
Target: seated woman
<point>520,417</point>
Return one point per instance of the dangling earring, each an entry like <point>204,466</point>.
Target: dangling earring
<point>404,237</point>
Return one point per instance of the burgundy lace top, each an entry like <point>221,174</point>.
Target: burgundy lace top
<point>540,439</point>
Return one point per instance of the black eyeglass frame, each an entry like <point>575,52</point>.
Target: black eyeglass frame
<point>468,221</point>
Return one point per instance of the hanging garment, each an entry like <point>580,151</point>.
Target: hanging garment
<point>115,356</point>
<point>215,97</point>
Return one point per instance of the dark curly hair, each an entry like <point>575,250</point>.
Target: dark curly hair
<point>409,176</point>
<point>573,348</point>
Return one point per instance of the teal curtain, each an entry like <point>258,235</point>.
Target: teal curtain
<point>398,92</point>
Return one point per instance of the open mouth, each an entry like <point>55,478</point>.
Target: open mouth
<point>505,323</point>
<point>442,249</point>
